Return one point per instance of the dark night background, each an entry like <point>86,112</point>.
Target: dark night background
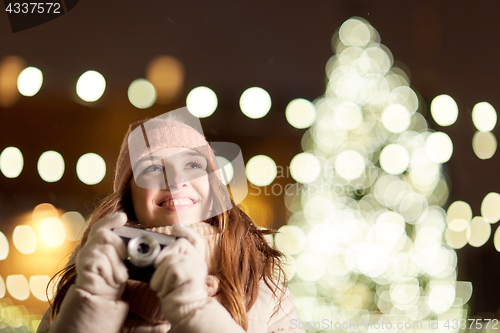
<point>448,47</point>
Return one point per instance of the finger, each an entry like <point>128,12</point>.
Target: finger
<point>160,281</point>
<point>192,236</point>
<point>104,236</point>
<point>180,246</point>
<point>115,220</point>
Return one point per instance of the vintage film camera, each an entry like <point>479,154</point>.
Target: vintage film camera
<point>143,247</point>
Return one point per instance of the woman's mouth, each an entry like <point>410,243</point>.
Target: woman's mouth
<point>177,204</point>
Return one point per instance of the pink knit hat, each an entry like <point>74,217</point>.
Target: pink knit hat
<point>149,135</point>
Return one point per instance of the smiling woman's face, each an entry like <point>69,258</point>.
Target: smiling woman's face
<point>171,186</point>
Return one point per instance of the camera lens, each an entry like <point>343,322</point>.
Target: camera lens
<point>143,250</point>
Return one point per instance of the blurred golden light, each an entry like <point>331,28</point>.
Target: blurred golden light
<point>484,145</point>
<point>201,102</point>
<point>10,67</point>
<point>350,164</point>
<point>300,113</point>
<point>305,168</point>
<point>42,211</point>
<point>74,225</point>
<point>166,73</point>
<point>459,210</point>
<point>310,266</point>
<point>24,239</point>
<point>11,162</point>
<point>18,287</point>
<point>455,239</point>
<point>255,102</point>
<point>484,117</point>
<point>141,94</point>
<point>405,96</point>
<point>290,267</point>
<point>4,247</point>
<point>324,238</point>
<point>458,225</point>
<point>463,291</point>
<point>444,110</point>
<point>439,147</point>
<point>90,86</point>
<point>496,239</point>
<point>38,285</point>
<point>404,292</point>
<point>2,289</point>
<point>490,207</point>
<point>225,165</point>
<point>316,208</point>
<point>261,170</point>
<point>290,239</point>
<point>441,298</point>
<point>396,118</point>
<point>480,231</point>
<point>50,166</point>
<point>52,231</point>
<point>354,32</point>
<point>348,116</point>
<point>30,81</point>
<point>90,168</point>
<point>394,159</point>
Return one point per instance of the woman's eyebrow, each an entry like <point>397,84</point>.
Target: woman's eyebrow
<point>149,157</point>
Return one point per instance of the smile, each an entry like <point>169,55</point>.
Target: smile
<point>177,204</point>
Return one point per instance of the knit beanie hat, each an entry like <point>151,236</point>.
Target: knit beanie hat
<point>149,135</point>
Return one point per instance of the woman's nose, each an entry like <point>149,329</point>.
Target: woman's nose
<point>174,178</point>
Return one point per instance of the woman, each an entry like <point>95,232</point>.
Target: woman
<point>220,276</point>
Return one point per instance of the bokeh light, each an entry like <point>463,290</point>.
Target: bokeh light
<point>305,168</point>
<point>300,113</point>
<point>350,164</point>
<point>394,159</point>
<point>52,231</point>
<point>51,166</point>
<point>290,239</point>
<point>30,81</point>
<point>74,225</point>
<point>18,287</point>
<point>444,110</point>
<point>141,94</point>
<point>348,116</point>
<point>11,162</point>
<point>90,168</point>
<point>484,145</point>
<point>261,170</point>
<point>439,147</point>
<point>166,73</point>
<point>10,68</point>
<point>480,232</point>
<point>201,102</point>
<point>24,239</point>
<point>354,32</point>
<point>459,210</point>
<point>490,207</point>
<point>3,288</point>
<point>90,86</point>
<point>4,247</point>
<point>396,118</point>
<point>484,117</point>
<point>38,285</point>
<point>255,102</point>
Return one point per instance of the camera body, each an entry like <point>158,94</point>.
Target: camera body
<point>143,246</point>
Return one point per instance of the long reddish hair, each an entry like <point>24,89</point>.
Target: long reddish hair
<point>246,257</point>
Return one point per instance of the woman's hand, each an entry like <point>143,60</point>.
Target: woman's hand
<point>181,272</point>
<point>100,269</point>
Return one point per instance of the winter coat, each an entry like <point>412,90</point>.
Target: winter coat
<point>140,312</point>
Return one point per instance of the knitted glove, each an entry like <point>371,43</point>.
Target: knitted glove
<point>180,275</point>
<point>100,269</point>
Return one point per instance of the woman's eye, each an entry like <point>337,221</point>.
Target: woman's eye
<point>194,165</point>
<point>153,168</point>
